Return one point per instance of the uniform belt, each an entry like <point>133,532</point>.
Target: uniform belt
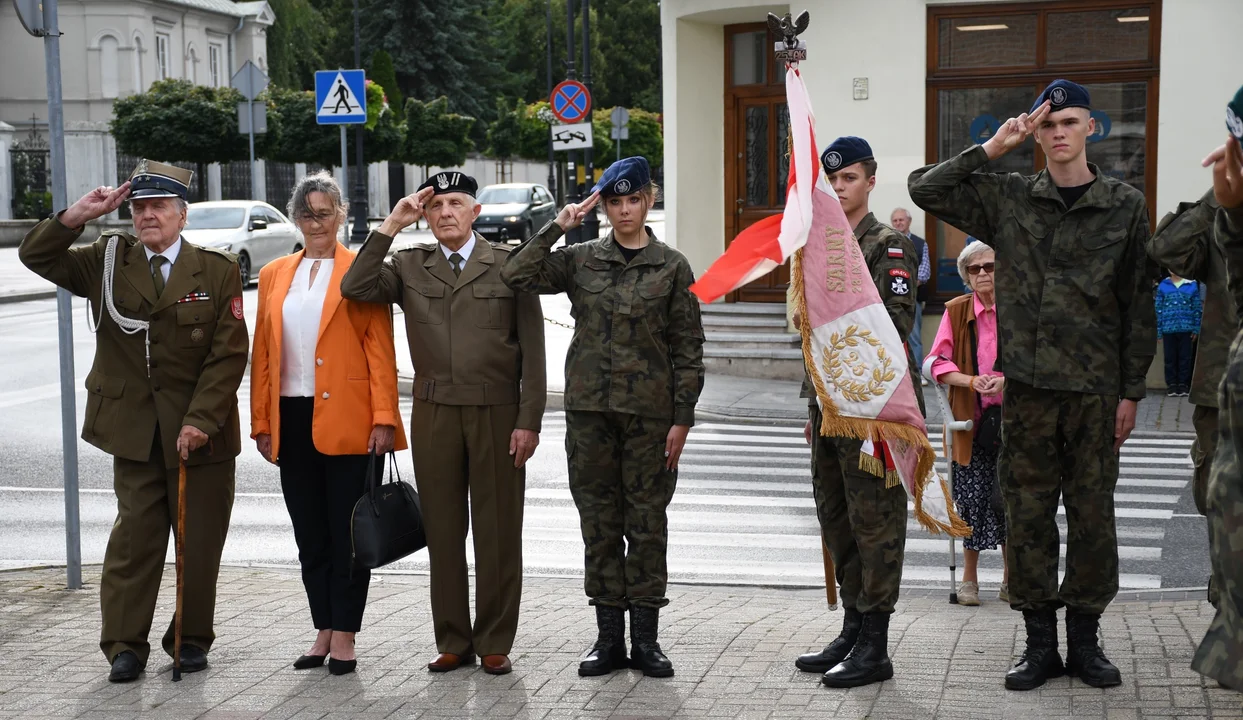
<point>450,394</point>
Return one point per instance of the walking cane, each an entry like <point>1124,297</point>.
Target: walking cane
<point>830,576</point>
<point>179,541</point>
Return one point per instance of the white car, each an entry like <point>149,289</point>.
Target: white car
<point>254,231</point>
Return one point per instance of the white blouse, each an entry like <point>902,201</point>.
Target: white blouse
<point>304,305</point>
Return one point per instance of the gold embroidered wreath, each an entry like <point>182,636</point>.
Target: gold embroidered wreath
<point>849,372</point>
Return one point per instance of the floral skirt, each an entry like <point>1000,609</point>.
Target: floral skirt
<point>973,488</point>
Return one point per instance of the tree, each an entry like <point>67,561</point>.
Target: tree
<point>520,26</point>
<point>435,136</point>
<point>298,43</point>
<point>306,141</point>
<point>383,73</point>
<point>505,133</point>
<point>177,121</point>
<point>629,40</point>
<point>646,137</point>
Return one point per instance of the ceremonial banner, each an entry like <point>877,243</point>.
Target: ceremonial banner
<point>854,356</point>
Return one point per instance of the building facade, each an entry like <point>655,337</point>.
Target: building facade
<point>922,80</point>
<point>112,49</point>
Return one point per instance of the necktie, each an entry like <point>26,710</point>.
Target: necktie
<point>157,273</point>
<point>455,262</point>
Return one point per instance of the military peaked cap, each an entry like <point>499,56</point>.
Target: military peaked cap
<point>157,180</point>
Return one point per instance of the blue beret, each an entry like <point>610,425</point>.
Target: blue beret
<point>845,151</point>
<point>1063,94</point>
<point>1234,116</point>
<point>626,176</point>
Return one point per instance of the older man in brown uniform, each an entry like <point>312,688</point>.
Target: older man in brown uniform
<point>170,352</point>
<point>479,394</point>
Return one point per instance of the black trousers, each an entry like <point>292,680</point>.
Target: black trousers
<point>320,492</point>
<point>1179,360</point>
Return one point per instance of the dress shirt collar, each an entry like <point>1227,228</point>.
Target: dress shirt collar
<point>979,305</point>
<point>465,252</point>
<point>170,253</point>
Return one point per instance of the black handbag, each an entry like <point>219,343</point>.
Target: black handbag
<point>387,524</point>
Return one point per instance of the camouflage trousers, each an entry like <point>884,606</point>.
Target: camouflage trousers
<point>1203,450</point>
<point>1059,444</point>
<point>622,490</point>
<point>1220,655</point>
<point>863,523</point>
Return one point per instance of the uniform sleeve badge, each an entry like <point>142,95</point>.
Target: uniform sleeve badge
<point>899,286</point>
<point>896,252</point>
<point>237,307</point>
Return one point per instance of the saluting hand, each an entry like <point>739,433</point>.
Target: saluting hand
<point>1015,131</point>
<point>674,444</point>
<point>522,444</point>
<point>95,204</point>
<point>190,439</point>
<point>1227,162</point>
<point>572,215</point>
<point>407,212</point>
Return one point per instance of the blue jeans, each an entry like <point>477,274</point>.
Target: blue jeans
<point>916,340</point>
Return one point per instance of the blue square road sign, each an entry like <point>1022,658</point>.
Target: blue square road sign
<point>340,97</point>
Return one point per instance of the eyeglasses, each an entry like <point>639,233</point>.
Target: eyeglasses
<point>976,269</point>
<point>321,218</point>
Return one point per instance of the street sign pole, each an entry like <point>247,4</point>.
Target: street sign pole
<point>345,162</point>
<point>359,199</point>
<point>48,26</point>
<point>591,223</point>
<point>572,191</point>
<point>254,171</point>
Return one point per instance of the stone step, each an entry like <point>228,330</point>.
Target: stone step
<point>764,353</point>
<point>771,340</point>
<point>745,323</point>
<point>752,363</point>
<point>778,309</point>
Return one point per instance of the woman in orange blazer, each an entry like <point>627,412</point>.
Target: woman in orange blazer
<point>323,397</point>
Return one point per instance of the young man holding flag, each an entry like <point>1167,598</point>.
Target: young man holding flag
<point>862,516</point>
<point>1077,332</point>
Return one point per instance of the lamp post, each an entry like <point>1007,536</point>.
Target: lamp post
<point>552,179</point>
<point>359,201</point>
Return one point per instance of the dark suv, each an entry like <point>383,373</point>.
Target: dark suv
<point>512,212</point>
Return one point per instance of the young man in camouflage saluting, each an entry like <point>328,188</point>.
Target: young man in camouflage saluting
<point>1077,333</point>
<point>1220,655</point>
<point>1184,244</point>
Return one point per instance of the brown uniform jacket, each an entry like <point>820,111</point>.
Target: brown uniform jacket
<point>473,341</point>
<point>198,337</point>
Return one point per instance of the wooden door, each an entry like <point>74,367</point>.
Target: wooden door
<point>761,127</point>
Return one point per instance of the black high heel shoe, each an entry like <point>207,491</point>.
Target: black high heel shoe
<point>341,667</point>
<point>307,662</point>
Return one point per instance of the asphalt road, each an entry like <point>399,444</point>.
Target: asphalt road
<point>743,513</point>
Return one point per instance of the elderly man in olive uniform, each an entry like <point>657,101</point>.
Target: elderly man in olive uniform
<point>1184,243</point>
<point>479,395</point>
<point>1077,333</point>
<point>862,521</point>
<point>171,347</point>
<point>1220,654</point>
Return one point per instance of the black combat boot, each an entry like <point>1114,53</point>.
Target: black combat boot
<point>868,661</point>
<point>645,652</point>
<point>609,652</point>
<point>1040,661</point>
<point>1084,658</point>
<point>836,651</point>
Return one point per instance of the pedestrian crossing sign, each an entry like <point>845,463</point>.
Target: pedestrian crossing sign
<point>340,97</point>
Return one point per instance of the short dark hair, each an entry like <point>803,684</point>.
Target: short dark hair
<point>869,168</point>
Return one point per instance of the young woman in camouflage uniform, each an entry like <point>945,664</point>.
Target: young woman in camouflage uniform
<point>633,375</point>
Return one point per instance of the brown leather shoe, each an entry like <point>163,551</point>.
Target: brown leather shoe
<point>497,664</point>
<point>446,662</point>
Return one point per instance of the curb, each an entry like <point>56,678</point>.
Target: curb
<point>26,296</point>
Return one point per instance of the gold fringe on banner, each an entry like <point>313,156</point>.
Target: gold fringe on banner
<point>834,424</point>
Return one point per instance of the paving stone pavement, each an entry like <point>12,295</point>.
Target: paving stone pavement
<point>733,649</point>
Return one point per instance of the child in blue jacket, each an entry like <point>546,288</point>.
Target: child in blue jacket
<point>1178,322</point>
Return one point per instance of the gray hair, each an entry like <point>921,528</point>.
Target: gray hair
<point>964,259</point>
<point>319,182</point>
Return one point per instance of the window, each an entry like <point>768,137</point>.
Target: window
<point>162,68</point>
<point>986,64</point>
<point>272,217</point>
<point>109,71</point>
<point>213,64</point>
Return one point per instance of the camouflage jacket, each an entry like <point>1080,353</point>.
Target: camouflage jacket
<point>896,281</point>
<point>638,338</point>
<point>1074,296</point>
<point>1228,231</point>
<point>1184,243</point>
